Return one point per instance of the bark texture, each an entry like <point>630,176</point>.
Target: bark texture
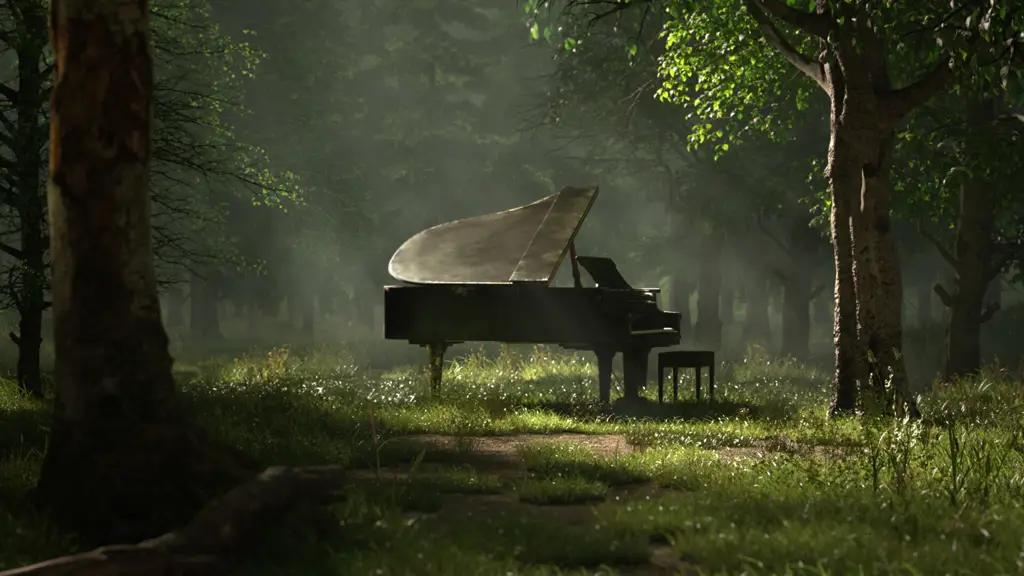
<point>119,466</point>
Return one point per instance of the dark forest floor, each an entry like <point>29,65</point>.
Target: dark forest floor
<point>515,470</point>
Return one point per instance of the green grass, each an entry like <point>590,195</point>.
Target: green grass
<point>761,483</point>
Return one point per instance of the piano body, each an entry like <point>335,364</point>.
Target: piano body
<point>488,279</point>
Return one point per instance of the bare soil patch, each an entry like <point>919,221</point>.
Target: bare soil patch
<point>506,446</point>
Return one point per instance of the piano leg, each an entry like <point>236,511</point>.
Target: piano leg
<point>604,374</point>
<point>634,371</point>
<point>436,354</point>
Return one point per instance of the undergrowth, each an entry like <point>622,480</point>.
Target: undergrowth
<point>759,483</point>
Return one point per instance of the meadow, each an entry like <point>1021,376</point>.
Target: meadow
<point>515,469</point>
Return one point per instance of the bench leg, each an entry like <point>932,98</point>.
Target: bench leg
<point>697,381</point>
<point>604,374</point>
<point>675,384</point>
<point>711,383</point>
<point>661,385</point>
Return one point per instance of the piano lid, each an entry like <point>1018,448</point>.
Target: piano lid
<point>525,244</point>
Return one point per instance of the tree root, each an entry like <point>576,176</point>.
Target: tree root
<point>213,538</point>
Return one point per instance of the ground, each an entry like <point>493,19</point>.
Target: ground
<point>516,470</point>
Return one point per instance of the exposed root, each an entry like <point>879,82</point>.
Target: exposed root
<point>208,544</point>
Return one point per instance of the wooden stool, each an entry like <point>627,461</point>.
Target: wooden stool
<point>677,359</point>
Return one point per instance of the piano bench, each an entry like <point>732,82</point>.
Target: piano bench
<point>677,359</point>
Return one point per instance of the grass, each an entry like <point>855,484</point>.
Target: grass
<point>516,469</point>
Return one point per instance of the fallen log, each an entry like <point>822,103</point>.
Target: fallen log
<point>208,544</point>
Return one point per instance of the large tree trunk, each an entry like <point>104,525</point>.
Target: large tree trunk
<point>756,327</point>
<point>708,328</point>
<point>27,142</point>
<point>118,466</point>
<point>887,340</point>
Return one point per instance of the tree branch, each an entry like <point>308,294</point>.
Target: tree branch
<point>900,102</point>
<point>11,251</point>
<point>813,23</point>
<point>788,251</point>
<point>945,297</point>
<point>773,36</point>
<point>943,251</point>
<point>990,309</point>
<point>817,290</point>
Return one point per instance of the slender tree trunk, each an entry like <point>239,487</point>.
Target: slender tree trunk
<point>175,307</point>
<point>117,467</point>
<point>994,292</point>
<point>821,310</point>
<point>924,299</point>
<point>205,316</point>
<point>796,313</point>
<point>756,327</point>
<point>708,328</point>
<point>843,175</point>
<point>972,262</point>
<point>727,303</point>
<point>680,292</point>
<point>308,327</point>
<point>28,140</point>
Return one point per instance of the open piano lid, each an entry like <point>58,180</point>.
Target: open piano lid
<point>525,244</point>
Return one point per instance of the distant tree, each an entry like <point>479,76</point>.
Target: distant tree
<point>961,186</point>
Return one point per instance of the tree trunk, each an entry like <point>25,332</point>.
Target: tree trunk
<point>308,327</point>
<point>887,340</point>
<point>118,466</point>
<point>205,316</point>
<point>843,174</point>
<point>175,307</point>
<point>756,327</point>
<point>28,139</point>
<point>972,262</point>
<point>708,328</point>
<point>796,313</point>
<point>727,302</point>
<point>821,309</point>
<point>924,304</point>
<point>680,292</point>
<point>994,292</point>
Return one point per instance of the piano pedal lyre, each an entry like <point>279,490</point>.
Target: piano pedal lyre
<point>436,365</point>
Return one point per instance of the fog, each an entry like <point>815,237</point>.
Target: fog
<point>372,121</point>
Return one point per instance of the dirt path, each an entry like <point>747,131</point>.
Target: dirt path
<point>500,454</point>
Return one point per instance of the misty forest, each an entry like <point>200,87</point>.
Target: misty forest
<point>538,287</point>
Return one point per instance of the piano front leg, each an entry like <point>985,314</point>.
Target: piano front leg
<point>634,371</point>
<point>605,356</point>
<point>436,353</point>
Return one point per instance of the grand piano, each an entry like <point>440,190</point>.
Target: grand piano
<point>489,279</point>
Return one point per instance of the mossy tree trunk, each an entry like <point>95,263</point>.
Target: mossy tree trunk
<point>120,465</point>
